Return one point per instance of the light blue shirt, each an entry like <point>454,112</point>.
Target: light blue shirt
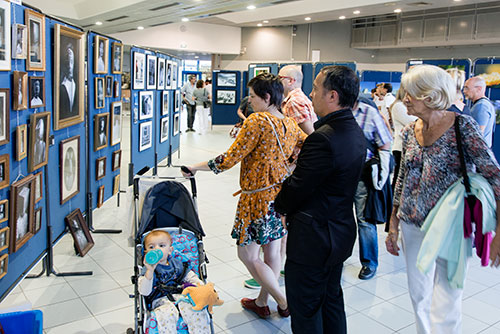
<point>484,114</point>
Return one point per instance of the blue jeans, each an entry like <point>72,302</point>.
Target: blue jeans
<point>368,246</point>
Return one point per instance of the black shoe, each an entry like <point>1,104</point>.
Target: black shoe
<point>190,130</point>
<point>366,273</point>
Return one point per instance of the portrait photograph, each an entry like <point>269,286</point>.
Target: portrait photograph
<point>176,125</point>
<point>117,52</point>
<point>80,232</point>
<point>69,160</point>
<point>100,196</point>
<point>151,62</point>
<point>116,184</point>
<point>4,171</point>
<point>139,70</point>
<point>101,131</point>
<point>109,86</point>
<point>116,90</point>
<point>226,96</point>
<point>101,54</point>
<point>4,211</point>
<point>164,103</point>
<point>19,41</point>
<point>4,264</point>
<point>19,90</point>
<point>174,75</point>
<point>146,104</point>
<point>21,142</point>
<point>4,238</point>
<point>117,158</point>
<point>226,79</point>
<point>99,93</point>
<point>145,135</point>
<point>38,221</point>
<point>38,187</point>
<point>164,129</point>
<point>4,116</point>
<point>36,40</point>
<point>39,140</point>
<point>116,123</point>
<point>161,73</point>
<point>178,100</point>
<point>21,212</point>
<point>5,26</point>
<point>259,70</point>
<point>168,76</point>
<point>100,168</point>
<point>69,84</point>
<point>37,92</point>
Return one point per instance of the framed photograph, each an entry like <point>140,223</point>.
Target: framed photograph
<point>139,70</point>
<point>80,232</point>
<point>109,86</point>
<point>4,116</point>
<point>146,103</point>
<point>19,41</point>
<point>38,221</point>
<point>69,160</point>
<point>164,103</point>
<point>116,184</point>
<point>116,123</point>
<point>37,92</point>
<point>168,77</point>
<point>161,73</point>
<point>4,238</point>
<point>5,36</point>
<point>174,75</point>
<point>4,264</point>
<point>69,76</point>
<point>101,131</point>
<point>36,40</point>
<point>226,79</point>
<point>226,96</point>
<point>100,196</point>
<point>39,140</point>
<point>101,47</point>
<point>145,135</point>
<point>21,141</point>
<point>4,211</point>
<point>20,90</point>
<point>176,124</point>
<point>100,168</point>
<point>164,129</point>
<point>151,61</point>
<point>21,212</point>
<point>99,93</point>
<point>117,52</point>
<point>116,90</point>
<point>261,69</point>
<point>4,171</point>
<point>117,158</point>
<point>178,100</point>
<point>38,187</point>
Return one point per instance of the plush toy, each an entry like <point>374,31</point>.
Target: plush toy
<point>203,295</point>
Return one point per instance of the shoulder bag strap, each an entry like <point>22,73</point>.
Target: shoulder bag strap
<point>463,167</point>
<point>279,144</point>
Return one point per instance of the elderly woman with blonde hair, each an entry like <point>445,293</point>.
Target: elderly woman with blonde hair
<point>430,166</point>
<point>458,105</point>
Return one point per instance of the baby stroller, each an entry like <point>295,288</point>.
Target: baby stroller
<point>167,205</point>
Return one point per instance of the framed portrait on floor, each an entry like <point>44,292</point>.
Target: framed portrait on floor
<point>4,171</point>
<point>4,116</point>
<point>38,186</point>
<point>100,196</point>
<point>4,210</point>
<point>4,265</point>
<point>151,65</point>
<point>37,92</point>
<point>164,129</point>
<point>5,45</point>
<point>101,54</point>
<point>19,90</point>
<point>139,70</point>
<point>226,96</point>
<point>19,41</point>
<point>145,134</point>
<point>100,168</point>
<point>226,79</point>
<point>39,140</point>
<point>35,22</point>
<point>69,76</point>
<point>99,93</point>
<point>109,86</point>
<point>80,232</point>
<point>21,212</point>
<point>146,105</point>
<point>116,123</point>
<point>69,160</point>
<point>161,73</point>
<point>117,158</point>
<point>117,52</point>
<point>21,142</point>
<point>38,221</point>
<point>116,184</point>
<point>4,238</point>
<point>176,125</point>
<point>101,131</point>
<point>164,102</point>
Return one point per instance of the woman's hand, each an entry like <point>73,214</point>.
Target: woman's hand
<point>391,242</point>
<point>188,171</point>
<point>495,251</point>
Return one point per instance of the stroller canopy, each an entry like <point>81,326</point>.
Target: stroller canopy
<point>169,204</point>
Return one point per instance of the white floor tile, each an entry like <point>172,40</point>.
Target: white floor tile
<point>359,299</point>
<point>359,323</point>
<point>482,311</point>
<point>382,288</point>
<point>85,326</point>
<point>403,301</point>
<point>231,314</point>
<point>15,302</point>
<point>390,315</point>
<point>56,294</point>
<point>252,327</point>
<point>107,301</point>
<point>491,330</point>
<point>93,284</point>
<point>122,277</point>
<point>471,325</point>
<point>41,282</point>
<point>117,322</point>
<point>64,313</point>
<point>222,272</point>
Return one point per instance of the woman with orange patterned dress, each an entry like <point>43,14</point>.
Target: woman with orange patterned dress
<point>263,146</point>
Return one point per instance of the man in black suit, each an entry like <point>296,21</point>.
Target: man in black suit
<point>317,200</point>
<point>68,99</point>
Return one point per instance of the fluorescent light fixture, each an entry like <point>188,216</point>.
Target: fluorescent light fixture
<point>99,23</point>
<point>265,21</point>
<point>356,12</point>
<point>259,25</point>
<point>397,10</point>
<point>251,7</point>
<point>185,19</point>
<point>307,18</point>
<point>196,57</point>
<point>140,28</point>
<point>342,17</point>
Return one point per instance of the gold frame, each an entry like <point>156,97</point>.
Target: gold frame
<point>112,120</point>
<point>7,238</point>
<point>14,188</point>
<point>24,52</point>
<point>113,46</point>
<point>39,17</point>
<point>21,138</point>
<point>5,259</point>
<point>5,202</point>
<point>78,217</point>
<point>113,157</point>
<point>97,38</point>
<point>80,36</point>
<point>96,105</point>
<point>16,75</point>
<point>6,108</point>
<point>100,196</point>
<point>116,184</point>
<point>35,230</point>
<point>96,130</point>
<point>106,78</point>
<point>39,185</point>
<point>97,161</point>
<point>4,159</point>
<point>33,120</point>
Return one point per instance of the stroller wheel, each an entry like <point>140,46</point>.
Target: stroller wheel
<point>130,331</point>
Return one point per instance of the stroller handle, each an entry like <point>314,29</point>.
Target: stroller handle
<point>191,179</point>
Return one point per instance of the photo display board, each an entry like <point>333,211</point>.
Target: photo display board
<point>226,96</point>
<point>370,79</point>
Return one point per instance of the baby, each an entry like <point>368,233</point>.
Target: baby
<point>169,272</point>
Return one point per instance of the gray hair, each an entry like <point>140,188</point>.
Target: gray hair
<point>430,84</point>
<point>458,77</point>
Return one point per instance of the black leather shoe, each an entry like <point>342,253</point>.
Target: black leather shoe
<point>366,273</point>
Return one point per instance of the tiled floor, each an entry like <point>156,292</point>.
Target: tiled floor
<point>101,304</point>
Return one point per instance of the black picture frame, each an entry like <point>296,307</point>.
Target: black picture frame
<point>226,79</point>
<point>225,97</point>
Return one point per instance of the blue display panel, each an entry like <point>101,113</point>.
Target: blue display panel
<point>369,80</point>
<point>226,90</point>
<point>319,66</point>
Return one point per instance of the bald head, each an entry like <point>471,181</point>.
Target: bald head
<point>291,77</point>
<point>475,88</point>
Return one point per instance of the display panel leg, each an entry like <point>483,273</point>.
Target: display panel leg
<point>90,219</point>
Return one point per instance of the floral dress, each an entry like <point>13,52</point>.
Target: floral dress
<point>263,169</point>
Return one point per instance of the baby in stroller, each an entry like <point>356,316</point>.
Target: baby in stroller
<point>160,284</point>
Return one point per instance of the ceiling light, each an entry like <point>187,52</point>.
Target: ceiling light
<point>457,0</point>
<point>98,23</point>
<point>307,18</point>
<point>251,7</point>
<point>196,57</point>
<point>342,17</point>
<point>185,19</point>
<point>356,12</point>
<point>397,10</point>
<point>140,28</point>
<point>259,25</point>
<point>265,21</point>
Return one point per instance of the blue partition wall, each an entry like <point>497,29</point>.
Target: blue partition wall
<point>319,66</point>
<point>244,83</point>
<point>463,64</point>
<point>307,72</point>
<point>225,113</point>
<point>369,79</point>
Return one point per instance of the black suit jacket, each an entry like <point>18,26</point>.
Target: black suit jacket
<point>318,196</point>
<point>64,107</point>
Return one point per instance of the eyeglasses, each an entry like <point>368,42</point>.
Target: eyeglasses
<point>285,77</point>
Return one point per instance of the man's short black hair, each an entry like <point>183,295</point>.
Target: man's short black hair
<point>388,87</point>
<point>344,81</point>
<point>267,83</point>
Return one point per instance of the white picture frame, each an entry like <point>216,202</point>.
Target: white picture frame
<point>145,135</point>
<point>161,74</point>
<point>146,105</point>
<point>19,41</point>
<point>164,129</point>
<point>5,52</point>
<point>139,70</point>
<point>151,72</point>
